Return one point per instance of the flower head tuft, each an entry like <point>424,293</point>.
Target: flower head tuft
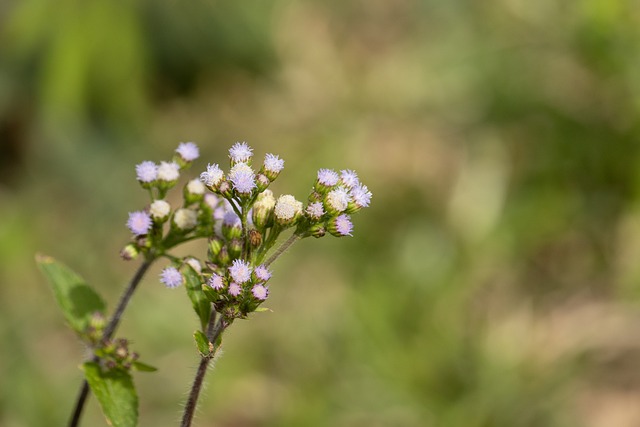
<point>188,151</point>
<point>273,163</point>
<point>337,200</point>
<point>349,178</point>
<point>195,186</point>
<point>240,271</point>
<point>287,208</point>
<point>260,292</point>
<point>262,273</point>
<point>216,282</point>
<point>185,219</point>
<point>342,226</point>
<point>171,277</point>
<point>361,195</point>
<point>328,177</point>
<point>194,263</point>
<point>243,181</point>
<point>234,289</point>
<point>212,176</point>
<point>146,171</point>
<point>168,171</point>
<point>240,152</point>
<point>139,223</point>
<point>159,209</point>
<point>315,210</point>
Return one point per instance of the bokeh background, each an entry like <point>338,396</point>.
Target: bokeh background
<point>494,281</point>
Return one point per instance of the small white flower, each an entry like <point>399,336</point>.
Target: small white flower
<point>159,209</point>
<point>338,199</point>
<point>212,176</point>
<point>195,186</point>
<point>195,264</point>
<point>168,171</point>
<point>287,207</point>
<point>185,219</point>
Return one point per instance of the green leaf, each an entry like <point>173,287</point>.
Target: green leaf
<point>143,367</point>
<point>115,392</point>
<point>200,302</point>
<point>202,342</point>
<point>77,300</point>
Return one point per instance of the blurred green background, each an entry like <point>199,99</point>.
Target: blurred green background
<point>495,280</point>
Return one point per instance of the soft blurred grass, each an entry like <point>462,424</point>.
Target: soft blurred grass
<point>493,281</point>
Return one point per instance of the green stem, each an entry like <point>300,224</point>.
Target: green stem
<point>282,248</point>
<point>108,333</point>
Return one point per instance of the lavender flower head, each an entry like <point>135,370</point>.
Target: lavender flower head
<point>211,200</point>
<point>361,195</point>
<point>171,277</point>
<point>315,210</point>
<point>139,223</point>
<point>328,177</point>
<point>231,219</point>
<point>212,176</point>
<point>349,178</point>
<point>260,292</point>
<point>243,179</point>
<point>146,171</point>
<point>240,271</point>
<point>273,163</point>
<point>240,152</point>
<point>234,289</point>
<point>216,282</point>
<point>188,151</point>
<point>343,225</point>
<point>262,273</point>
<point>168,171</point>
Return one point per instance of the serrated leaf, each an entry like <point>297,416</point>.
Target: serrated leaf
<point>115,392</point>
<point>77,300</point>
<point>199,301</point>
<point>143,367</point>
<point>202,342</point>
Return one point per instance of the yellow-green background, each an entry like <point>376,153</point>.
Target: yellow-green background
<point>494,281</point>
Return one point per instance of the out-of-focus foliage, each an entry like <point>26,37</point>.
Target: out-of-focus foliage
<point>493,282</point>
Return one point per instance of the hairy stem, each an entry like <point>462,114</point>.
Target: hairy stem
<point>213,333</point>
<point>108,333</point>
<point>282,248</point>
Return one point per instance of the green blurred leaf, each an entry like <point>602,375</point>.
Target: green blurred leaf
<point>203,344</point>
<point>77,300</point>
<point>115,392</point>
<point>200,302</point>
<point>143,367</point>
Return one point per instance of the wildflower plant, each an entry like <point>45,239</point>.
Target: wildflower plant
<point>244,224</point>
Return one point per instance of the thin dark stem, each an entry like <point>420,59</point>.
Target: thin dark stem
<point>282,248</point>
<point>213,333</point>
<point>108,333</point>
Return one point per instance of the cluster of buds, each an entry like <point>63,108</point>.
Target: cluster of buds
<point>112,354</point>
<point>242,220</point>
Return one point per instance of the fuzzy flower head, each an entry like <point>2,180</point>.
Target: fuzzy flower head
<point>262,273</point>
<point>139,223</point>
<point>171,277</point>
<point>185,219</point>
<point>146,172</point>
<point>341,226</point>
<point>168,171</point>
<point>195,186</point>
<point>315,211</point>
<point>212,176</point>
<point>159,209</point>
<point>240,152</point>
<point>361,196</point>
<point>260,292</point>
<point>188,151</point>
<point>230,219</point>
<point>243,181</point>
<point>211,200</point>
<point>349,178</point>
<point>240,271</point>
<point>337,200</point>
<point>272,166</point>
<point>327,177</point>
<point>234,289</point>
<point>216,282</point>
<point>287,209</point>
<point>194,263</point>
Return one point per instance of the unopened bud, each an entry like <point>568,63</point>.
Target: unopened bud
<point>255,238</point>
<point>129,252</point>
<point>235,247</point>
